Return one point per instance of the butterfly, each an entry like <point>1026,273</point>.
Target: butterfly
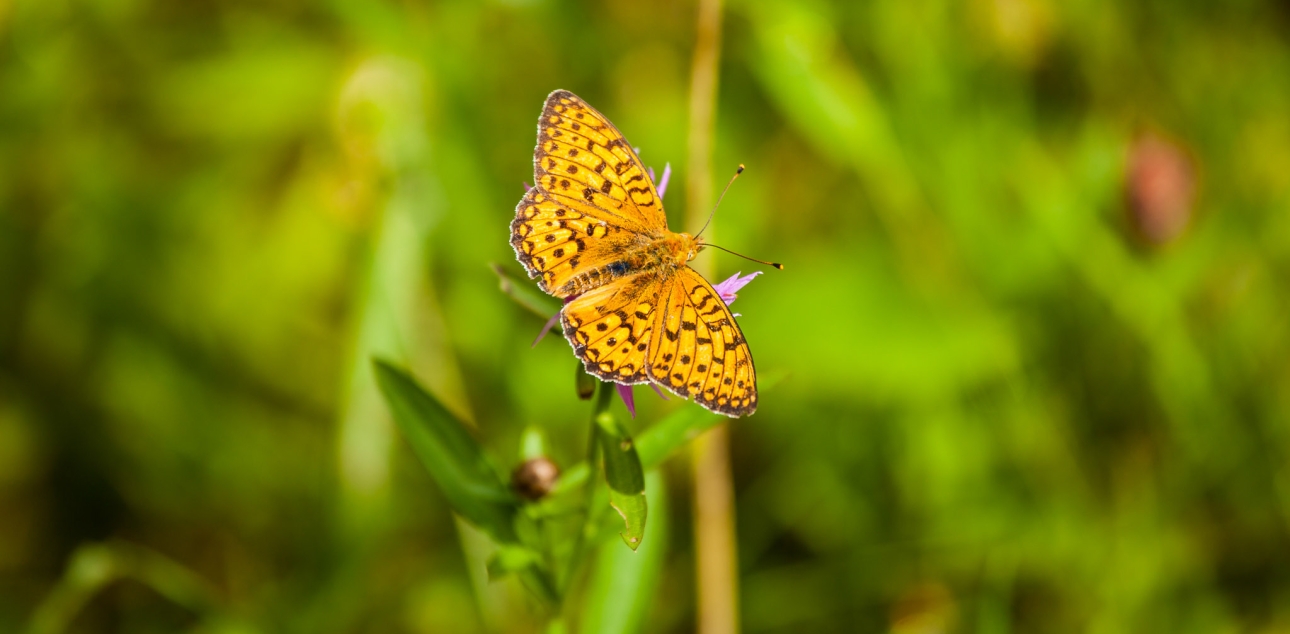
<point>592,231</point>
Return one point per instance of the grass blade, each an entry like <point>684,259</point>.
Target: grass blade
<point>454,459</point>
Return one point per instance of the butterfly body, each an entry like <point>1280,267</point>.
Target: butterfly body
<point>593,232</point>
<point>665,253</point>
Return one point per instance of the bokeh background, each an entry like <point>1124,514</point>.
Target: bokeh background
<point>1029,355</point>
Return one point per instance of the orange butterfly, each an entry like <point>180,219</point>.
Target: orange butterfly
<point>593,231</point>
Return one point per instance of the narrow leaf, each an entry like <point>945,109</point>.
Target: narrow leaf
<point>663,438</point>
<point>454,459</point>
<point>666,436</point>
<point>632,509</point>
<point>623,584</point>
<point>623,469</point>
<point>625,477</point>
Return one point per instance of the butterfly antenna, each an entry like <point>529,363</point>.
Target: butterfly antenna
<point>774,264</point>
<point>722,197</point>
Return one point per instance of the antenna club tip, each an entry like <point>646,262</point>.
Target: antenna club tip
<point>777,265</point>
<point>741,169</point>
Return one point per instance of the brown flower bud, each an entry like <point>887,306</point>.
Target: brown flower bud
<point>535,478</point>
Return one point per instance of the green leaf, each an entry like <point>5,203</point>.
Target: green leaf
<point>633,511</point>
<point>623,583</point>
<point>666,436</point>
<point>658,442</point>
<point>625,476</point>
<point>454,459</point>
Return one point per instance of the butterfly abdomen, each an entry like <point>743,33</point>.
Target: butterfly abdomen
<point>598,276</point>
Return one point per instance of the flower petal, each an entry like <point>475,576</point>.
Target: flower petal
<point>659,392</point>
<point>662,182</point>
<point>625,393</point>
<point>552,321</point>
<point>730,287</point>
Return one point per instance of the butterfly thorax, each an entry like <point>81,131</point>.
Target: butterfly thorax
<point>661,255</point>
<point>679,248</point>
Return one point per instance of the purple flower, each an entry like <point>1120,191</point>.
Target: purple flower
<point>550,323</point>
<point>661,184</point>
<point>625,393</point>
<point>728,289</point>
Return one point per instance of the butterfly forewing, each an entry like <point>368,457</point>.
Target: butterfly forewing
<point>583,160</point>
<point>592,200</point>
<point>557,244</point>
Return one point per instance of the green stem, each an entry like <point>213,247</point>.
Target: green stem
<point>591,514</point>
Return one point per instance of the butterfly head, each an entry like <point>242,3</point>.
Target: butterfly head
<point>686,247</point>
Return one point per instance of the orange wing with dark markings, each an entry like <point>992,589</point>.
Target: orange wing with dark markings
<point>592,197</point>
<point>612,327</point>
<point>670,327</point>
<point>583,161</point>
<point>698,349</point>
<point>556,243</point>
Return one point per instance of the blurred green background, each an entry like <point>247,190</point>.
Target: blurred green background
<point>1031,340</point>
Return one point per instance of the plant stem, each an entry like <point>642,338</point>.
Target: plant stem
<point>714,529</point>
<point>591,514</point>
<point>716,556</point>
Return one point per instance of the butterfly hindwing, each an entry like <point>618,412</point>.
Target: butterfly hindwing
<point>698,348</point>
<point>611,327</point>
